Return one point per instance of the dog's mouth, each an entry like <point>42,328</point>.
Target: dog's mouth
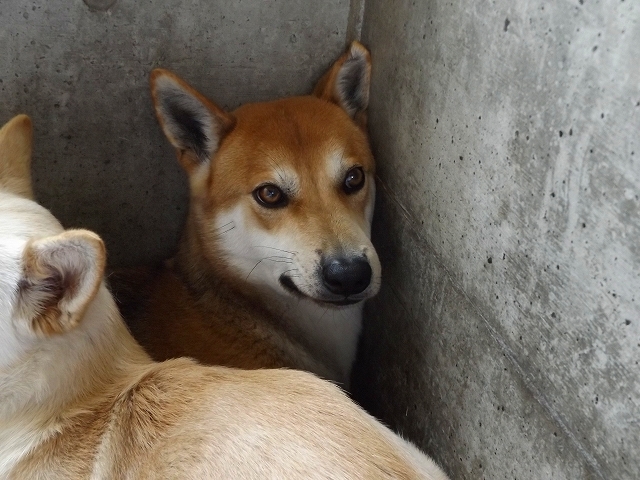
<point>288,284</point>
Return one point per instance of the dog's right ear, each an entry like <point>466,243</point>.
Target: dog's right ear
<point>194,125</point>
<point>15,156</point>
<point>60,277</point>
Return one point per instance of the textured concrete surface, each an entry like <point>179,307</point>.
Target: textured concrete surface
<point>100,159</point>
<point>507,133</point>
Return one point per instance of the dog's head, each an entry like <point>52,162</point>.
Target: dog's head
<point>47,276</point>
<point>282,192</point>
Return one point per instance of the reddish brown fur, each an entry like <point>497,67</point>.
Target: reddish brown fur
<point>230,337</point>
<point>298,133</point>
<point>200,307</point>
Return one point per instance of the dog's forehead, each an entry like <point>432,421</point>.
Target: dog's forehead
<point>288,137</point>
<point>298,124</point>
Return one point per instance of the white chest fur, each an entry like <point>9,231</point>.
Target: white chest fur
<point>331,333</point>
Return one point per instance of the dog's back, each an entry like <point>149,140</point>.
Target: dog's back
<point>180,420</point>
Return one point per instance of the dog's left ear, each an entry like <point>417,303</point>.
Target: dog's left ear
<point>61,275</point>
<point>347,82</point>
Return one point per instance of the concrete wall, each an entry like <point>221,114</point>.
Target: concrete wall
<point>100,159</point>
<point>506,338</point>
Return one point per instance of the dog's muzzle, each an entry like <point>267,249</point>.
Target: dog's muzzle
<point>343,278</point>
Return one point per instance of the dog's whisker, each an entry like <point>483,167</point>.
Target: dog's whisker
<point>281,256</point>
<point>223,226</point>
<point>262,260</point>
<point>291,270</point>
<point>254,267</point>
<point>222,233</point>
<point>278,169</point>
<point>324,313</point>
<point>274,248</point>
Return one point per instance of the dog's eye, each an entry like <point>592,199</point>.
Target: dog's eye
<point>353,180</point>
<point>270,196</point>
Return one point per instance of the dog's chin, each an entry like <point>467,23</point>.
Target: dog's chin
<point>291,287</point>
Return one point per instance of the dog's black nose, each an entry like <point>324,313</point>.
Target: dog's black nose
<point>346,276</point>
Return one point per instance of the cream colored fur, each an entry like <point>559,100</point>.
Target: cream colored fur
<point>80,399</point>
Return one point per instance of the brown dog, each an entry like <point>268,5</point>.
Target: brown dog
<point>79,398</point>
<point>275,260</point>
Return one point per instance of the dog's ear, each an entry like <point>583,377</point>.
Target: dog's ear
<point>15,156</point>
<point>346,83</point>
<point>194,125</point>
<point>61,275</point>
